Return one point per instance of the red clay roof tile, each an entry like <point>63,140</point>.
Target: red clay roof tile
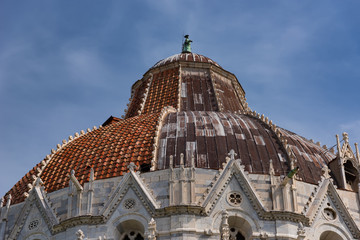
<point>56,174</point>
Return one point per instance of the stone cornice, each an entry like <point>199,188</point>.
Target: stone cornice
<point>78,220</point>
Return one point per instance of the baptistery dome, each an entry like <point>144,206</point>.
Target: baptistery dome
<point>188,146</point>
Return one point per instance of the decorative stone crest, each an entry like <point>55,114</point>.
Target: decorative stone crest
<point>33,224</point>
<point>234,198</point>
<point>80,235</point>
<point>132,167</point>
<point>301,231</point>
<point>326,172</point>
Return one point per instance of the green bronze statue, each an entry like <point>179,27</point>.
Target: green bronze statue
<point>186,48</point>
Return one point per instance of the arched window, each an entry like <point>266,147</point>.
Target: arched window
<point>130,230</point>
<point>329,235</point>
<point>239,228</point>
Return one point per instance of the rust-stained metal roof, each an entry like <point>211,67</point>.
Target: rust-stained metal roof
<point>209,136</point>
<point>310,157</point>
<point>195,88</point>
<point>187,57</point>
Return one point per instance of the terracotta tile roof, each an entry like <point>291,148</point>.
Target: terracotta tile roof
<point>200,90</point>
<point>111,120</point>
<point>108,150</point>
<point>18,190</point>
<point>163,91</point>
<point>137,98</point>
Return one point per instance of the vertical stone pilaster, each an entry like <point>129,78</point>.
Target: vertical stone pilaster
<point>74,185</point>
<point>192,181</point>
<point>90,192</point>
<point>152,230</point>
<point>273,186</point>
<point>340,164</point>
<point>284,190</point>
<point>294,195</point>
<point>225,230</point>
<point>182,183</point>
<point>70,199</point>
<point>171,182</point>
<point>182,180</point>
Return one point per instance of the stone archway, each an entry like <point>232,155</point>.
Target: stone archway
<point>37,236</point>
<point>239,228</point>
<point>330,235</point>
<point>130,230</point>
<point>235,227</point>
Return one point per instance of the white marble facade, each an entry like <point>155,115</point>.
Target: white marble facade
<point>187,203</point>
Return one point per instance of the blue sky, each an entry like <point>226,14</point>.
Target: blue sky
<point>68,65</point>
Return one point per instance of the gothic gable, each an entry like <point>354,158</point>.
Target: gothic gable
<point>232,168</point>
<point>327,205</point>
<point>130,180</point>
<point>35,214</point>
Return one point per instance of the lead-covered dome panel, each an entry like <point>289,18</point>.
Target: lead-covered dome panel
<point>186,57</point>
<point>209,137</point>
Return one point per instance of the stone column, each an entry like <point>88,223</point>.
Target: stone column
<point>225,230</point>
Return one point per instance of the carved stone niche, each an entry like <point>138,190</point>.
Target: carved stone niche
<point>345,167</point>
<point>351,176</point>
<point>346,175</point>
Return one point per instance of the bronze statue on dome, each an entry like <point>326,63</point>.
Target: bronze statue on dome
<point>186,47</point>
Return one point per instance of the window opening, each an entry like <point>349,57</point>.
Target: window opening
<point>130,229</point>
<point>132,235</point>
<point>145,167</point>
<point>235,234</point>
<point>351,176</point>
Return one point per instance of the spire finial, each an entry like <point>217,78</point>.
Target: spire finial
<point>186,47</point>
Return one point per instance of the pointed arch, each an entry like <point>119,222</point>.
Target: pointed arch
<point>330,231</point>
<point>130,226</point>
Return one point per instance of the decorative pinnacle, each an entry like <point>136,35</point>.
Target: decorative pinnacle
<point>186,47</point>
<point>345,137</point>
<point>132,166</point>
<point>232,154</point>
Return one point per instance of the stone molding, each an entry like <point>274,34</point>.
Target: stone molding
<point>164,112</point>
<point>231,169</point>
